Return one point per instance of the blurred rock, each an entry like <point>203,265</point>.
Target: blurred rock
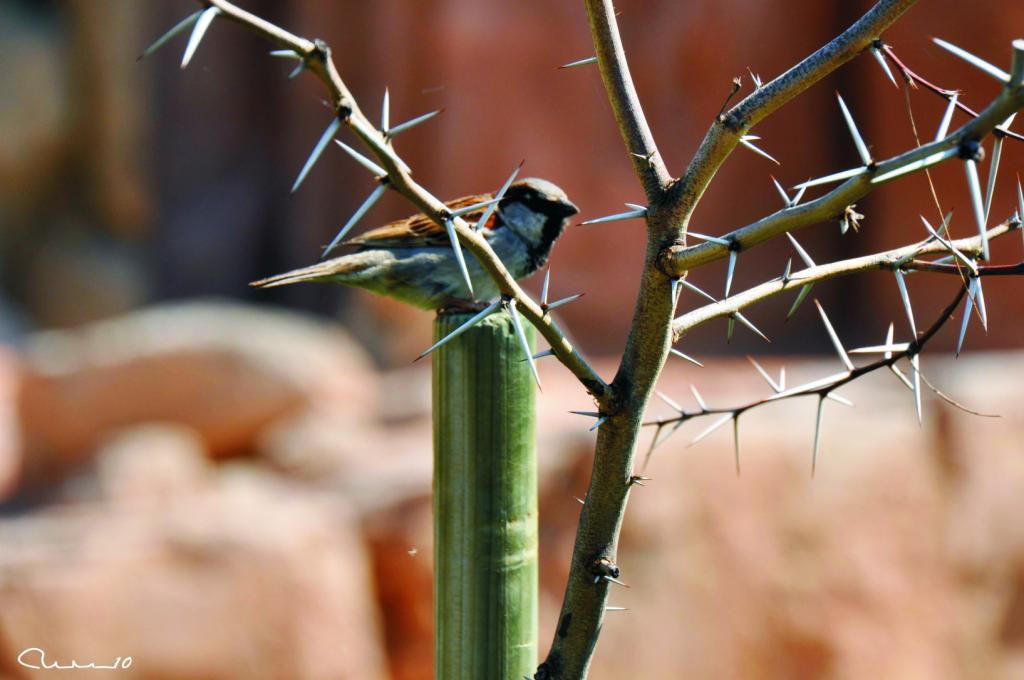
<point>400,540</point>
<point>226,371</point>
<point>903,557</point>
<point>243,577</point>
<point>150,463</point>
<point>10,437</point>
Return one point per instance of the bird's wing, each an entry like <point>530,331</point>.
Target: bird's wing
<point>419,231</point>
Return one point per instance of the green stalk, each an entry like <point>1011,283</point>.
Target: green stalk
<point>485,503</point>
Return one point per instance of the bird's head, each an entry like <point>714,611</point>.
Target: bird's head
<point>537,211</point>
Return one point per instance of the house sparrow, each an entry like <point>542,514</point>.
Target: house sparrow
<point>412,259</point>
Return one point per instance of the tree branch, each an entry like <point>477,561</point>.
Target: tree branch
<point>317,56</point>
<point>883,260</point>
<point>724,134</point>
<point>826,386</point>
<point>647,162</point>
<point>677,259</point>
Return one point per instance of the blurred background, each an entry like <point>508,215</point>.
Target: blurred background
<point>222,482</point>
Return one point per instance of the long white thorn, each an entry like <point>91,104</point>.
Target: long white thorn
<point>579,62</point>
<point>360,125</point>
<point>903,379</point>
<point>921,164</point>
<point>838,399</point>
<point>462,329</point>
<point>700,399</point>
<point>449,225</point>
<point>202,23</point>
<point>632,214</point>
<point>880,58</point>
<point>886,349</point>
<point>544,288</point>
<point>385,111</point>
<point>733,255</point>
<point>776,387</point>
<point>800,250</point>
<point>902,285</point>
<point>968,306</point>
<point>835,338</point>
<point>523,341</point>
<point>705,237</point>
<point>714,426</point>
<point>817,435</point>
<point>862,148</point>
<point>465,210</point>
<point>810,387</point>
<point>977,62</point>
<point>799,194</point>
<point>993,172</point>
<point>178,28</point>
<point>736,441</point>
<point>782,192</point>
<point>362,160</point>
<point>321,144</point>
<point>687,357</point>
<point>1020,208</point>
<point>979,210</point>
<point>801,296</point>
<point>482,222</point>
<point>402,127</point>
<point>915,369</point>
<point>947,117</point>
<point>671,402</point>
<point>564,301</point>
<point>979,300</point>
<point>750,326</point>
<point>829,179</point>
<point>697,290</point>
<point>966,261</point>
<point>745,141</point>
<point>356,216</point>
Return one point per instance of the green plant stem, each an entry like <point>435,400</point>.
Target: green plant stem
<point>485,503</point>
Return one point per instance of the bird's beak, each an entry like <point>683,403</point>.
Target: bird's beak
<point>569,208</point>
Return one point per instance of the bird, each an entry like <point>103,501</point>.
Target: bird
<point>412,259</point>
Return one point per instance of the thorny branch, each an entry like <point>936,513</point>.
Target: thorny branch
<point>678,259</point>
<point>914,79</point>
<point>725,133</point>
<point>668,259</point>
<point>822,388</point>
<point>317,57</point>
<point>667,218</point>
<point>904,257</point>
<point>611,58</point>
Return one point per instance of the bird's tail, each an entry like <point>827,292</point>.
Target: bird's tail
<point>317,272</point>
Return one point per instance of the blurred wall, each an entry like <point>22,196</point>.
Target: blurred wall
<point>123,183</point>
